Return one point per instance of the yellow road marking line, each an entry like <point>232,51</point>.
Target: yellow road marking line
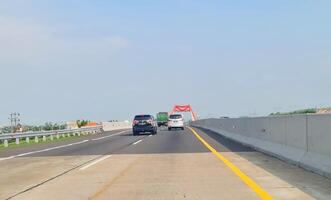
<point>246,179</point>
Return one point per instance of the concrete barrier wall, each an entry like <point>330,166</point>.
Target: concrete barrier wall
<point>319,144</point>
<point>110,126</point>
<point>304,140</point>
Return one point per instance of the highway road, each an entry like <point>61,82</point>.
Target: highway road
<point>189,164</point>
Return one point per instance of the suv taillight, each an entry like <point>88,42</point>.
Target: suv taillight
<point>135,122</point>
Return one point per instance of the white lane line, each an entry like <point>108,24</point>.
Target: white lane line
<point>150,135</point>
<point>95,162</point>
<point>137,142</point>
<point>100,138</point>
<point>6,158</point>
<point>44,150</point>
<point>49,149</point>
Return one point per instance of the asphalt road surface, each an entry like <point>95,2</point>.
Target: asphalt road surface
<point>170,165</point>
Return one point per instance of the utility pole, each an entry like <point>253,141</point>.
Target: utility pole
<point>15,119</point>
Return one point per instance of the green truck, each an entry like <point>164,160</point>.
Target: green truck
<point>162,119</point>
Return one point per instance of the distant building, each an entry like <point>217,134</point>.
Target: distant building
<point>92,124</point>
<point>324,111</point>
<point>71,125</point>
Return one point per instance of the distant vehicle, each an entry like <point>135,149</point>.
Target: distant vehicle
<point>162,119</point>
<point>176,121</point>
<point>143,124</point>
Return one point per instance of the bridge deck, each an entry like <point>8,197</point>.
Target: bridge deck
<point>170,165</point>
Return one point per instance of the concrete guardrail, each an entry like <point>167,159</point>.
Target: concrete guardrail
<point>304,140</point>
<point>110,126</point>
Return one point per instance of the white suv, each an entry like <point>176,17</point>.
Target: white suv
<point>176,121</point>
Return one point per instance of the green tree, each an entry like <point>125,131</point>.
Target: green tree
<point>81,123</point>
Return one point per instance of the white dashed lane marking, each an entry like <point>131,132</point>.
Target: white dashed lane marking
<point>95,162</point>
<point>137,142</point>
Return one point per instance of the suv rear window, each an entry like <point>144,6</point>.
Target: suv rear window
<point>142,117</point>
<point>175,116</point>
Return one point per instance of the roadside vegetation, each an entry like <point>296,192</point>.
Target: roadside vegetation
<point>305,111</point>
<point>81,123</point>
<point>297,112</point>
<point>48,126</point>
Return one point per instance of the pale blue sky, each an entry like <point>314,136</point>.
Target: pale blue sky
<point>101,60</point>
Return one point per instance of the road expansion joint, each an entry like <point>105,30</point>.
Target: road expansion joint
<point>82,165</point>
<point>52,178</point>
<point>105,187</point>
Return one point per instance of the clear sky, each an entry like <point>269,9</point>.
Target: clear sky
<point>102,60</point>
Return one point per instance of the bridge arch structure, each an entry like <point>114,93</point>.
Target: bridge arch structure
<point>185,108</point>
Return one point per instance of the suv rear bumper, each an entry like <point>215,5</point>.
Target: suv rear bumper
<point>143,129</point>
<point>175,125</point>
